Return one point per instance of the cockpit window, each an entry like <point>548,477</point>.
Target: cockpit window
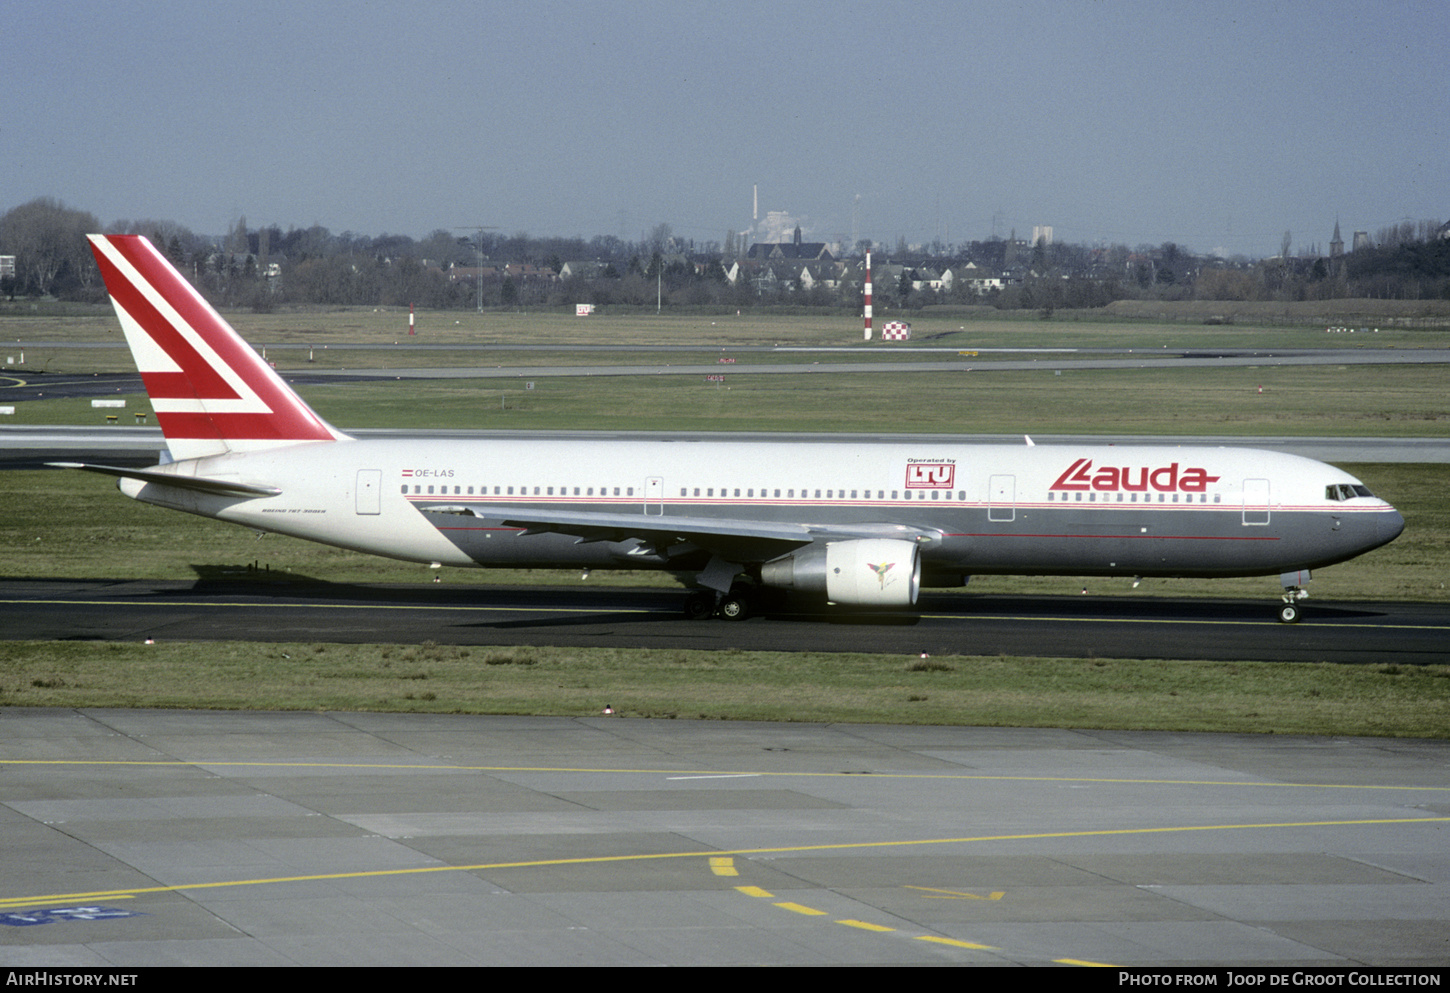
<point>1345,491</point>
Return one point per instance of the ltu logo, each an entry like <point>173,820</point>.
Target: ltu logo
<point>930,475</point>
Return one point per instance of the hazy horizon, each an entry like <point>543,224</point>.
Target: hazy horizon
<point>1217,127</point>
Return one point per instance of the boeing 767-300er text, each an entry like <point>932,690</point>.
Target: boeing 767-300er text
<point>857,524</point>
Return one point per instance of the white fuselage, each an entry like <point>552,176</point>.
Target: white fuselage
<point>992,508</point>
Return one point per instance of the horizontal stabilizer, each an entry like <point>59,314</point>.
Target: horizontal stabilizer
<point>217,487</point>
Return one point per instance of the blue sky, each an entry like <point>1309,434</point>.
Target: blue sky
<point>1216,125</point>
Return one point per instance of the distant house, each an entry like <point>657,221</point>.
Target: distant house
<point>819,275</point>
<point>976,279</point>
<point>528,272</point>
<point>581,270</point>
<point>925,279</point>
<point>797,250</point>
<point>472,274</point>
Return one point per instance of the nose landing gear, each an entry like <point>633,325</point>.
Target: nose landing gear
<point>1293,593</point>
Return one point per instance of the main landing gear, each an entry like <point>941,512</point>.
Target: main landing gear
<point>733,606</point>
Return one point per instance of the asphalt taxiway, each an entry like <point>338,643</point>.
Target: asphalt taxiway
<point>947,623</point>
<point>146,838</point>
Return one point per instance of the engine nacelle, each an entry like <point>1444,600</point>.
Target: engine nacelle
<point>882,572</point>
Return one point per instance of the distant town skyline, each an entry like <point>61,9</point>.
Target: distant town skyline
<point>1219,127</point>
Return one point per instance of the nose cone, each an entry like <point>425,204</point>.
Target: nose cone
<point>1391,523</point>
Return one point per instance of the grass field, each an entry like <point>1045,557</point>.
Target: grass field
<point>1406,701</point>
<point>964,328</point>
<point>76,525</point>
<point>1354,401</point>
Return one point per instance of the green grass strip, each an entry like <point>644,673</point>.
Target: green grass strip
<point>1251,697</point>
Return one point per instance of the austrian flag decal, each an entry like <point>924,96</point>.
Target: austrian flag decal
<point>1165,479</point>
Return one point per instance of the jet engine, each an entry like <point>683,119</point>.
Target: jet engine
<point>880,572</point>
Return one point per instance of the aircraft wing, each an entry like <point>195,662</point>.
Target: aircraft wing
<point>735,540</point>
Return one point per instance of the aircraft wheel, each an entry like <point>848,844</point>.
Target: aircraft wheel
<point>699,605</point>
<point>1289,614</point>
<point>735,607</point>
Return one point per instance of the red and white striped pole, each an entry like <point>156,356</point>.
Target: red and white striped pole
<point>868,296</point>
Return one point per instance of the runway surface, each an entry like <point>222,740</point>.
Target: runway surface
<point>28,385</point>
<point>145,838</point>
<point>946,624</point>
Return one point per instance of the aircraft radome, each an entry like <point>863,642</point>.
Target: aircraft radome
<point>864,525</point>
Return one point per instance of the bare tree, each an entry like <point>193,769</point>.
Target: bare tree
<point>48,241</point>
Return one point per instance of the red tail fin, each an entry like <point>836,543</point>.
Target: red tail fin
<point>211,391</point>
